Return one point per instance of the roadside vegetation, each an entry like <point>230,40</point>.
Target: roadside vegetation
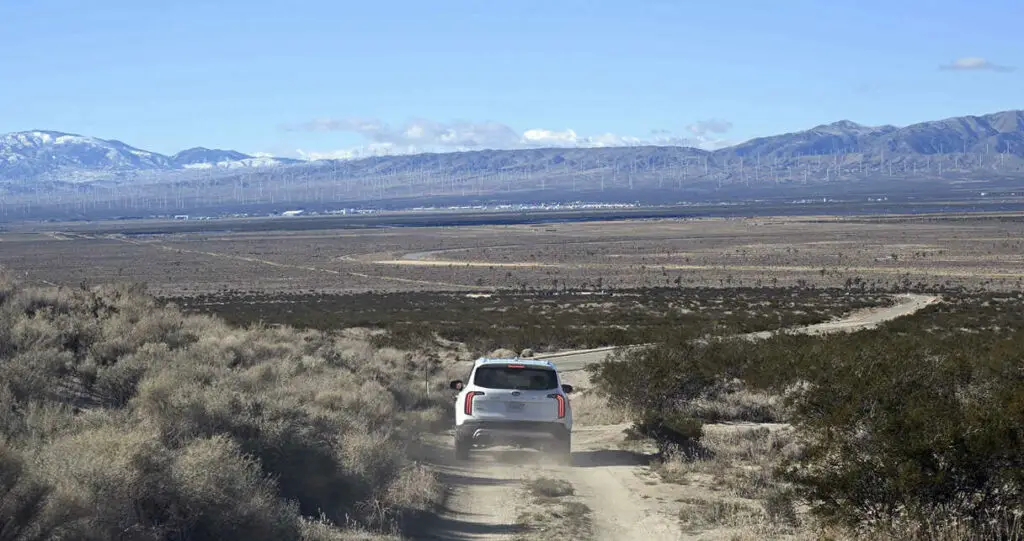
<point>121,418</point>
<point>273,416</point>
<point>545,320</point>
<point>914,430</point>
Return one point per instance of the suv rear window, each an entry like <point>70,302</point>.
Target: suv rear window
<point>522,379</point>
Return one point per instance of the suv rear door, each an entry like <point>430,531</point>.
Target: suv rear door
<point>522,392</point>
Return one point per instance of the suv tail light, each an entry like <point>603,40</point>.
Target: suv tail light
<point>561,404</point>
<point>469,401</point>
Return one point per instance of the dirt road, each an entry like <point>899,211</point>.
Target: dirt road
<point>868,318</point>
<point>487,495</point>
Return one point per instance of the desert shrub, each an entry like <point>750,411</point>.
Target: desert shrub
<point>319,461</point>
<point>225,494</point>
<point>904,429</point>
<point>404,337</point>
<point>539,320</point>
<point>34,373</point>
<point>117,476</point>
<point>28,510</point>
<point>660,378</point>
<point>731,400</point>
<point>7,285</point>
<point>660,384</point>
<point>118,383</point>
<point>156,425</point>
<point>779,507</point>
<point>918,419</point>
<point>132,484</point>
<point>674,433</point>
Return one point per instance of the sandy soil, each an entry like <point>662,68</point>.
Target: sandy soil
<point>626,502</point>
<point>939,252</point>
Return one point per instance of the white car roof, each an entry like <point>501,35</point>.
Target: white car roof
<point>514,360</point>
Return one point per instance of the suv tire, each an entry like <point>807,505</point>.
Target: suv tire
<point>462,446</point>
<point>563,449</point>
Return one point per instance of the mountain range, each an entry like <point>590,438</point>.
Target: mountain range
<point>996,132</point>
<point>48,173</point>
<point>69,157</point>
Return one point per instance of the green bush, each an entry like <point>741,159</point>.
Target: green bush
<point>904,429</point>
<point>656,383</point>
<point>660,378</point>
<point>921,418</point>
<point>539,320</point>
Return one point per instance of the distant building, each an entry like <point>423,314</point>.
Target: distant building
<point>181,216</point>
<point>293,213</point>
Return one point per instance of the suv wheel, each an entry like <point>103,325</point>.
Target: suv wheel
<point>563,449</point>
<point>462,446</point>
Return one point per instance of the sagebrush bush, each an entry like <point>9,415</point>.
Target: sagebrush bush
<point>146,423</point>
<point>540,320</point>
<point>906,429</point>
<point>674,433</point>
<point>920,418</point>
<point>28,511</point>
<point>225,493</point>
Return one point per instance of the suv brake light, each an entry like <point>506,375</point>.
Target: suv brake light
<point>561,404</point>
<point>469,401</point>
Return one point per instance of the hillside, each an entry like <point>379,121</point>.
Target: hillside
<point>51,172</point>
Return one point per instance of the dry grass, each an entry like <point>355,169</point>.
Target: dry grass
<point>121,417</point>
<point>588,408</point>
<point>698,514</point>
<point>740,498</point>
<point>1001,524</point>
<point>732,402</point>
<point>737,460</point>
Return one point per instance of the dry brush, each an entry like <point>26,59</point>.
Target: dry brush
<point>122,417</point>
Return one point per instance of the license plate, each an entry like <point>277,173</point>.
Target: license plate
<point>516,406</point>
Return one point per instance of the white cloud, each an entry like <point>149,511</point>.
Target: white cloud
<point>974,63</point>
<point>422,135</point>
<point>544,137</point>
<point>704,127</point>
<point>420,132</point>
<point>374,149</point>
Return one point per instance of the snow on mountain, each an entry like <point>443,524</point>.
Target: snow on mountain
<point>205,158</point>
<point>75,158</point>
<point>55,154</point>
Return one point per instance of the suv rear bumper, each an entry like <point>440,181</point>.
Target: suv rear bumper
<point>503,432</point>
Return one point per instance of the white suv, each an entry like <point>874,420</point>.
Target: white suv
<point>513,401</point>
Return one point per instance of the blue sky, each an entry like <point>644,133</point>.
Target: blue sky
<point>325,77</point>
